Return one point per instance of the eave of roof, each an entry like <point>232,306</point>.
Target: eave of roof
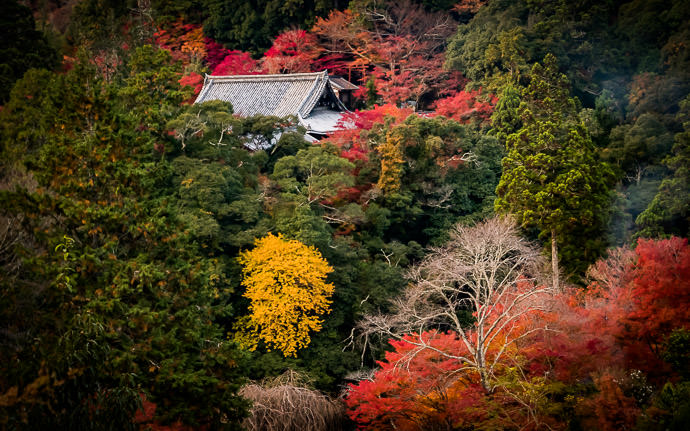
<point>342,84</point>
<point>322,121</point>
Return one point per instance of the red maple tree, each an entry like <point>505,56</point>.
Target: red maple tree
<point>293,51</point>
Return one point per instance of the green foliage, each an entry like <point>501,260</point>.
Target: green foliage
<point>193,11</point>
<point>447,171</point>
<point>97,22</point>
<point>251,26</point>
<point>677,352</point>
<point>306,180</point>
<point>634,148</point>
<point>151,91</point>
<point>551,179</point>
<point>492,57</point>
<point>125,300</point>
<point>649,24</point>
<point>22,47</point>
<point>670,409</point>
<point>669,212</point>
<point>598,43</point>
<point>505,119</point>
<point>312,175</point>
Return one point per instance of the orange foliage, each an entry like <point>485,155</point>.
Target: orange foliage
<point>184,41</point>
<point>424,393</point>
<point>469,6</point>
<point>610,409</point>
<point>466,105</point>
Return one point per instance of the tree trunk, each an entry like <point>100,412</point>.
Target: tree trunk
<point>554,258</point>
<point>484,380</point>
<point>481,366</point>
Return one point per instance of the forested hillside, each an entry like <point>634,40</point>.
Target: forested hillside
<point>496,238</point>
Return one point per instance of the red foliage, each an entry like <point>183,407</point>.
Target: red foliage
<point>293,51</point>
<point>600,334</point>
<point>421,394</point>
<point>454,82</point>
<point>580,342</point>
<point>365,120</point>
<point>398,45</point>
<point>402,73</point>
<point>660,292</point>
<point>144,417</point>
<point>623,318</point>
<point>236,63</point>
<point>193,80</point>
<point>107,62</point>
<point>215,53</point>
<point>335,64</point>
<point>465,106</point>
<point>350,139</point>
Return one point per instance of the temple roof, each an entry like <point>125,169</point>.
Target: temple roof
<point>280,95</point>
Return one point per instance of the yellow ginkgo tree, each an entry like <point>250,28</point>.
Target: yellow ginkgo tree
<point>286,284</point>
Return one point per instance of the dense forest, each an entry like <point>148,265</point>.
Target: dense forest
<point>496,239</point>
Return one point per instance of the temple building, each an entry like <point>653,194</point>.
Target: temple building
<point>311,97</point>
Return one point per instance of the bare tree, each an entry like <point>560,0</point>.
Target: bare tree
<point>488,272</point>
<point>614,271</point>
<point>286,403</point>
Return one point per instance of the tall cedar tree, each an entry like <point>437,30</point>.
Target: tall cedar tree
<point>551,178</point>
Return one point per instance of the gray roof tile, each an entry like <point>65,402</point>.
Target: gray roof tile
<point>339,83</point>
<point>278,95</point>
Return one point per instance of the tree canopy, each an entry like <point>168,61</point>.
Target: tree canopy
<point>286,285</point>
<point>172,265</point>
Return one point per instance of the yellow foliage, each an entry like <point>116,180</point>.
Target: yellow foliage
<point>286,284</point>
<point>391,163</point>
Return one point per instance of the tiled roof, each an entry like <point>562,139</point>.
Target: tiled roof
<point>279,95</point>
<point>341,83</point>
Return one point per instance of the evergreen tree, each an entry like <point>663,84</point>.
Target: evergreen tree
<point>107,294</point>
<point>551,178</point>
<point>669,212</point>
<point>21,46</point>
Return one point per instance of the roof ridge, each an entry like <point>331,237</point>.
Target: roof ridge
<point>320,83</point>
<point>272,77</point>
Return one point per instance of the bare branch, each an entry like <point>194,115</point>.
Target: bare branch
<point>487,272</point>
